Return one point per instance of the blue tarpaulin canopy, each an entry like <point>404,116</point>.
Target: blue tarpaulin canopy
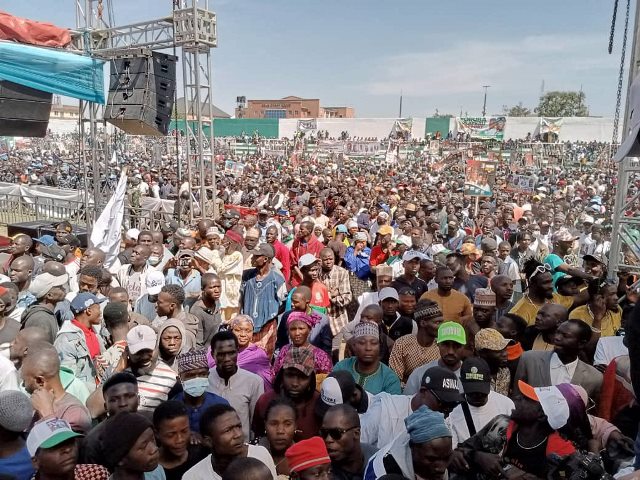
<point>53,71</point>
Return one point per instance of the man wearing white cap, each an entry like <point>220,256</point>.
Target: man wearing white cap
<point>155,378</point>
<point>130,240</point>
<point>411,263</point>
<point>146,304</point>
<point>49,291</point>
<point>53,448</point>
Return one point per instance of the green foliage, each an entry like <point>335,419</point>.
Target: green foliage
<point>563,104</point>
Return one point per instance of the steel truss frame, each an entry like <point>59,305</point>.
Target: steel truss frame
<point>192,27</point>
<point>623,239</point>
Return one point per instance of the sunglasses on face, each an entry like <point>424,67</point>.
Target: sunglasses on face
<point>540,269</point>
<point>335,433</point>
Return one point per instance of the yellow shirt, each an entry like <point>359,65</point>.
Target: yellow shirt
<point>611,322</point>
<point>454,306</point>
<point>528,310</point>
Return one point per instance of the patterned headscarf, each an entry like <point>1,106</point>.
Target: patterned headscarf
<point>310,319</point>
<point>239,319</point>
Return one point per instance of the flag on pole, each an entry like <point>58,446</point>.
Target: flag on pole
<point>105,234</point>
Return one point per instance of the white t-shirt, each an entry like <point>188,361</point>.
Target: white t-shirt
<point>204,471</point>
<point>561,372</point>
<point>497,404</point>
<point>609,348</point>
<point>8,375</point>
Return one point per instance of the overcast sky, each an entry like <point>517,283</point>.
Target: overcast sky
<point>362,53</point>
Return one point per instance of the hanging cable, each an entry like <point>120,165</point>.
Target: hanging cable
<point>613,25</point>
<point>623,54</point>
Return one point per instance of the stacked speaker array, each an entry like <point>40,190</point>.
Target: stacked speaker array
<point>24,111</point>
<point>141,93</point>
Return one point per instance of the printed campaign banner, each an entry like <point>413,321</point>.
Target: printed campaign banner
<point>336,146</point>
<point>363,148</point>
<point>550,125</point>
<point>483,128</point>
<point>520,183</point>
<point>307,125</point>
<point>401,129</point>
<point>234,168</point>
<point>479,177</point>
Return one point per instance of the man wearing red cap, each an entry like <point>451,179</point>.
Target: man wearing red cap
<point>309,460</point>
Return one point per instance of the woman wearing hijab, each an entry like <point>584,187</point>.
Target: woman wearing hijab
<point>299,325</point>
<point>250,356</point>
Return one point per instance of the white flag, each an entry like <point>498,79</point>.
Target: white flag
<point>105,234</point>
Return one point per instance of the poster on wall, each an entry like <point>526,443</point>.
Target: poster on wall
<point>550,125</point>
<point>307,125</point>
<point>401,129</point>
<point>482,128</point>
<point>479,177</point>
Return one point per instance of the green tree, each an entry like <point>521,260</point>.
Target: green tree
<point>518,110</point>
<point>563,104</point>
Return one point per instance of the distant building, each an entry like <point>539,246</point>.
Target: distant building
<point>217,112</point>
<point>63,112</point>
<point>291,107</point>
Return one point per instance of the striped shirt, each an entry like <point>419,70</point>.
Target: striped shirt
<point>154,387</point>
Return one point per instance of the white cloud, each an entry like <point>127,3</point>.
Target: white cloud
<point>509,66</point>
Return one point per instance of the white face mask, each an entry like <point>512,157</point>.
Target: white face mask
<point>153,260</point>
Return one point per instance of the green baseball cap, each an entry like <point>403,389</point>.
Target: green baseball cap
<point>452,332</point>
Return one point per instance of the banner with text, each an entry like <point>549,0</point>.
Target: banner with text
<point>483,128</point>
<point>363,148</point>
<point>307,125</point>
<point>336,146</point>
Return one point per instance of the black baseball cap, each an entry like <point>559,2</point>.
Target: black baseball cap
<point>444,383</point>
<point>475,376</point>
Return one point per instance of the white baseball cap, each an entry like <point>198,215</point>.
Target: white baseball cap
<point>388,292</point>
<point>307,259</point>
<point>44,282</point>
<point>48,434</point>
<point>141,337</point>
<point>411,255</point>
<point>154,282</point>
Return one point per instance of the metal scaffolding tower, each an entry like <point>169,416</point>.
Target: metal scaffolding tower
<point>191,27</point>
<point>624,238</point>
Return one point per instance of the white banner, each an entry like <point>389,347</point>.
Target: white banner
<point>307,125</point>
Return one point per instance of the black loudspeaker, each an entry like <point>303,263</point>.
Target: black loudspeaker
<point>38,228</point>
<point>141,92</point>
<point>24,111</point>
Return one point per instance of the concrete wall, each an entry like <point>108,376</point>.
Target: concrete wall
<point>585,129</point>
<point>357,127</point>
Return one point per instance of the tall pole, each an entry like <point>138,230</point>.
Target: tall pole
<point>484,105</point>
<point>400,114</point>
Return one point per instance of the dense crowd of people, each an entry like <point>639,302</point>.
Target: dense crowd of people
<point>346,319</point>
